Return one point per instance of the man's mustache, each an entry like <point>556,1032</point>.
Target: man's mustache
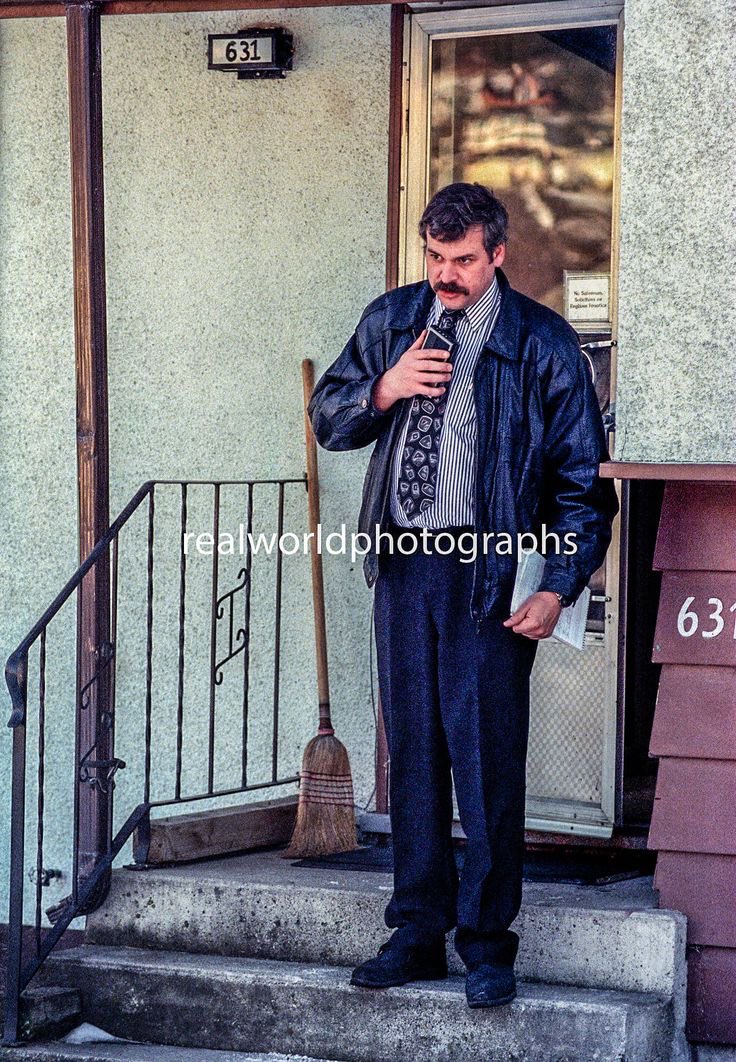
<point>451,289</point>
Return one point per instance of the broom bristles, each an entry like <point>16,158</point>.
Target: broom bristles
<point>325,816</point>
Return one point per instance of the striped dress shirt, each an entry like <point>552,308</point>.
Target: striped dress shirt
<point>454,504</point>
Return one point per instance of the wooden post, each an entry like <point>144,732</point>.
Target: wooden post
<point>382,764</point>
<point>94,737</point>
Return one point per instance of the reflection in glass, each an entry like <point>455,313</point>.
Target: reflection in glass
<point>531,115</point>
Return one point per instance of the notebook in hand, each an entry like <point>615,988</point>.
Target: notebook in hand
<point>570,627</point>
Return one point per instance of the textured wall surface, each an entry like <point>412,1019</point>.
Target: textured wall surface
<point>38,503</point>
<point>245,230</point>
<point>677,298</point>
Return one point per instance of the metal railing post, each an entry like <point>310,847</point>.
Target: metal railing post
<point>18,684</point>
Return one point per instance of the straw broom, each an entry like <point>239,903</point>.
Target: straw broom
<point>325,817</point>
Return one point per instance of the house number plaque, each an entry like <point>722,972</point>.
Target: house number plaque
<point>696,623</point>
<point>251,53</point>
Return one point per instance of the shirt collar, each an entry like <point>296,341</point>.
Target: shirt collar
<point>411,306</point>
<point>480,312</point>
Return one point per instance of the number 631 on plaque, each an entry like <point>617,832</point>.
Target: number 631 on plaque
<point>696,622</point>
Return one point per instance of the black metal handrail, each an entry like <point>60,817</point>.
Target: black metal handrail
<point>97,766</point>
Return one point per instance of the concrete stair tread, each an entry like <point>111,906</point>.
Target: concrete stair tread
<point>269,868</point>
<point>135,1052</point>
<point>245,1004</point>
<point>260,906</point>
<point>334,978</point>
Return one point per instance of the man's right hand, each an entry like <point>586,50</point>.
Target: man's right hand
<point>417,372</point>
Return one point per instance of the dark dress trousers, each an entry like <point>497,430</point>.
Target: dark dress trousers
<point>453,698</point>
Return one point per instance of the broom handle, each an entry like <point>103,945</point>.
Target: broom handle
<point>318,590</point>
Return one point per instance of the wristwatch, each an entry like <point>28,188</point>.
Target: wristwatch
<point>564,601</point>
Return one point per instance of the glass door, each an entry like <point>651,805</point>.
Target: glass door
<point>525,100</point>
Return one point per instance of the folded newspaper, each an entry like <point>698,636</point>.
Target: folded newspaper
<point>570,627</point>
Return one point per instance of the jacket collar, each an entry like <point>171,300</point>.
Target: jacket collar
<point>413,310</point>
<point>504,339</point>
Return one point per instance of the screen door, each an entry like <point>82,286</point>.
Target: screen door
<point>524,99</point>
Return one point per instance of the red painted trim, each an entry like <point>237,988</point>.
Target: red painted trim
<point>725,473</point>
<point>711,1000</point>
<point>33,10</point>
<point>697,528</point>
<point>703,887</point>
<point>48,8</point>
<point>694,807</point>
<point>696,713</point>
<point>708,596</point>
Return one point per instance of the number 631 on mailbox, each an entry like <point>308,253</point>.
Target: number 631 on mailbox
<point>696,622</point>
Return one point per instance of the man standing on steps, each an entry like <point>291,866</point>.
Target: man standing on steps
<point>500,435</point>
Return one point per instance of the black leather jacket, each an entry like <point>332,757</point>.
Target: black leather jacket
<point>540,434</point>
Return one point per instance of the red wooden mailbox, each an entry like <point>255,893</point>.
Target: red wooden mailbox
<point>694,733</point>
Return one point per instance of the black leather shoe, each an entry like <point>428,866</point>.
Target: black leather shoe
<point>398,963</point>
<point>490,986</point>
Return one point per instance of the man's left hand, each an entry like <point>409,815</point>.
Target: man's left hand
<point>537,617</point>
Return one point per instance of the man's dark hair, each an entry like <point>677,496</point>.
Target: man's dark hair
<point>457,207</point>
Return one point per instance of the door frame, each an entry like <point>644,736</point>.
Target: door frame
<point>421,26</point>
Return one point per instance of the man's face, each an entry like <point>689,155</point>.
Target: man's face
<point>460,271</point>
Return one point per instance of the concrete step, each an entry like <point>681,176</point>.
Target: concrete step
<point>252,1005</point>
<point>46,1013</point>
<point>134,1052</point>
<point>260,906</point>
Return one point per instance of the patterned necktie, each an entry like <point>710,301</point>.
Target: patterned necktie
<point>420,457</point>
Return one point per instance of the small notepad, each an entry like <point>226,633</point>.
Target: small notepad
<point>570,627</point>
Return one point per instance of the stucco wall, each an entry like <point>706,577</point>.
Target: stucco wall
<point>245,230</point>
<point>38,516</point>
<point>677,297</point>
